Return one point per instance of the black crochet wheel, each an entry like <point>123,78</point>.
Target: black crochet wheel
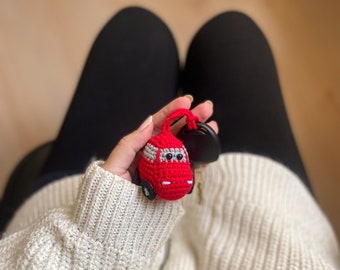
<point>148,190</point>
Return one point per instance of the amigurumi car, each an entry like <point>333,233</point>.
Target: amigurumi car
<point>164,169</point>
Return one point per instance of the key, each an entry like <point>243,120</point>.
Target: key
<point>203,146</point>
<point>198,171</point>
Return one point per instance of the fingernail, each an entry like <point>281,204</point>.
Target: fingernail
<point>146,123</point>
<point>214,122</point>
<point>190,97</point>
<point>210,102</point>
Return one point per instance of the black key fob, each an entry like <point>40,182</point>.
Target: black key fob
<point>202,144</point>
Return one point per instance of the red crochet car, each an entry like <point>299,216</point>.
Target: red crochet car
<point>164,168</point>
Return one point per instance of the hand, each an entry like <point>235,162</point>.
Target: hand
<point>124,157</point>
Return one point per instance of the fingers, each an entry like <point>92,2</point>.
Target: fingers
<point>214,126</point>
<point>124,153</point>
<point>162,114</point>
<point>204,111</point>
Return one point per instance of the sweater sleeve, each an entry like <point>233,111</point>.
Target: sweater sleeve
<point>110,225</point>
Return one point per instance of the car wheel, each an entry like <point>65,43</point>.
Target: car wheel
<point>148,190</point>
<point>136,179</point>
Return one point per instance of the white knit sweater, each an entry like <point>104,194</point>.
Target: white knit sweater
<point>254,214</point>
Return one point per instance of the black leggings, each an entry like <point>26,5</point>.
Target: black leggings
<point>133,70</point>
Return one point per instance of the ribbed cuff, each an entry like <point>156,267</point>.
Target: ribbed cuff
<point>113,211</point>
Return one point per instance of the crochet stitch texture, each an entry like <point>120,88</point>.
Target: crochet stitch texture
<point>165,163</point>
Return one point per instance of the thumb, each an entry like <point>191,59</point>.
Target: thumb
<point>125,152</point>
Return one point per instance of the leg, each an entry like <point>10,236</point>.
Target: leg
<point>131,71</point>
<point>230,62</point>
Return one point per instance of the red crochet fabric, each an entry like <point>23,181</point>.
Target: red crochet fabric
<point>165,162</point>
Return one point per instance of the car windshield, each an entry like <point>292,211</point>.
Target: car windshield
<point>150,152</point>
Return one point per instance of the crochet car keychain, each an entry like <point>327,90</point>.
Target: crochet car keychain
<point>164,169</point>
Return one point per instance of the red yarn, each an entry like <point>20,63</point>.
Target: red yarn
<point>165,162</point>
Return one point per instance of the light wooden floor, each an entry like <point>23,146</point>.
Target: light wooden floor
<point>43,45</point>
